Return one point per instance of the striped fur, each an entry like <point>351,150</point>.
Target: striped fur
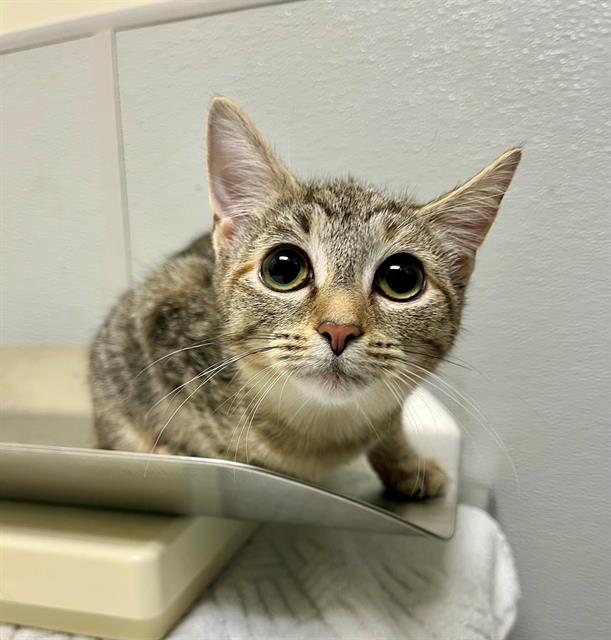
<point>202,359</point>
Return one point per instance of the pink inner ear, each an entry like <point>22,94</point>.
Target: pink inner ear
<point>464,226</point>
<point>220,196</point>
<point>463,264</point>
<point>226,227</point>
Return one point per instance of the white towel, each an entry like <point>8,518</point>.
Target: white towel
<point>308,583</point>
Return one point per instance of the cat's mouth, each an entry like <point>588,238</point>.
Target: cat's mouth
<point>334,378</point>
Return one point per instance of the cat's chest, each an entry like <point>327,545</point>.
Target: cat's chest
<point>306,454</point>
<point>317,438</point>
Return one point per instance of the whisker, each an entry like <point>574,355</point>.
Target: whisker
<point>402,399</point>
<point>419,469</point>
<point>290,375</point>
<point>358,406</point>
<point>487,428</point>
<point>471,407</point>
<point>477,415</point>
<point>247,408</point>
<point>196,390</point>
<point>429,354</point>
<point>245,418</point>
<point>252,417</point>
<point>211,369</point>
<point>452,388</point>
<point>393,390</point>
<point>234,396</point>
<point>184,384</point>
<point>458,422</point>
<point>197,346</point>
<point>453,361</point>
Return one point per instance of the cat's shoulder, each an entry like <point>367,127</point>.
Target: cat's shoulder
<point>186,274</point>
<point>178,298</point>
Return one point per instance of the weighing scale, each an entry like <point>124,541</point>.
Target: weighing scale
<point>119,544</point>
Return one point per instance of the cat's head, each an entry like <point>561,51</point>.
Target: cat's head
<point>338,289</point>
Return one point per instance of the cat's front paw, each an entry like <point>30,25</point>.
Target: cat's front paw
<point>417,479</point>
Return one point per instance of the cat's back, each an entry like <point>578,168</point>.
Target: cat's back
<point>202,247</point>
<point>163,307</point>
<point>172,309</point>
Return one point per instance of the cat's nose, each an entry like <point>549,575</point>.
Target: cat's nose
<point>338,335</point>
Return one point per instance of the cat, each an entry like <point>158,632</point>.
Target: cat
<point>289,337</point>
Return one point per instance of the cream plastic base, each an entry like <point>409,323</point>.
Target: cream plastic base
<point>107,573</point>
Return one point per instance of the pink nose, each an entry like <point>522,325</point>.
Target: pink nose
<point>338,335</point>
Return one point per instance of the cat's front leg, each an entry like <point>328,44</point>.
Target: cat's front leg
<point>401,469</point>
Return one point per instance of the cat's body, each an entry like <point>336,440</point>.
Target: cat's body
<point>177,304</point>
<point>289,337</point>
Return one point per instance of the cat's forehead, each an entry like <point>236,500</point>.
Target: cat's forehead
<point>348,216</point>
<point>347,200</point>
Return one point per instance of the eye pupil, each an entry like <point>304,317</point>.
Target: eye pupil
<point>400,277</point>
<point>284,269</point>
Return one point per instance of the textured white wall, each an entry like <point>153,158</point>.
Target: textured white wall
<point>62,257</point>
<point>420,95</point>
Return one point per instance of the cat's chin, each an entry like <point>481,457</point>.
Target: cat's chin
<point>331,387</point>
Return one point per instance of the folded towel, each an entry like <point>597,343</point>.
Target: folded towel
<point>310,583</point>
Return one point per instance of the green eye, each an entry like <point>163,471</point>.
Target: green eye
<point>285,269</point>
<point>400,277</point>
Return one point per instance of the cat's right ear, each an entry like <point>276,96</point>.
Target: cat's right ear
<point>243,172</point>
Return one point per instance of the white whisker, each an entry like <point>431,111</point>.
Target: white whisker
<point>252,417</point>
<point>182,404</point>
<point>456,398</point>
<point>199,346</point>
<point>244,415</point>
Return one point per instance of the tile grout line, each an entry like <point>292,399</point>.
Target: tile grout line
<point>127,238</point>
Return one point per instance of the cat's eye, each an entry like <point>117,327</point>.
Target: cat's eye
<point>285,269</point>
<point>400,277</point>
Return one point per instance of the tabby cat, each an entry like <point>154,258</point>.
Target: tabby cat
<point>289,336</point>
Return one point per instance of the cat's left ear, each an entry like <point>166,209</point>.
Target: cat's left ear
<point>243,172</point>
<point>464,216</point>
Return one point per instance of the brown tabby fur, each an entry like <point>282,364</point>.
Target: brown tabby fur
<point>203,359</point>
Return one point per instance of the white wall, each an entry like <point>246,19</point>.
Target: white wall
<point>62,254</point>
<point>420,95</point>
